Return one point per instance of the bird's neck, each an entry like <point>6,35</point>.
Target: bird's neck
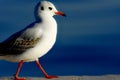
<point>46,17</point>
<point>48,21</point>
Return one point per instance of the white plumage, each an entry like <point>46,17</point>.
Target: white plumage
<point>45,29</point>
<point>35,40</point>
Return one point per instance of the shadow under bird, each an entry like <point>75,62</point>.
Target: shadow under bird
<point>34,41</point>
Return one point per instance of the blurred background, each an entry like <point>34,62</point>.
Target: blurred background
<point>88,41</point>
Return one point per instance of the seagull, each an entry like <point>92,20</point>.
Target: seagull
<point>33,41</point>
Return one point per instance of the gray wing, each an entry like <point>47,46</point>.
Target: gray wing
<point>18,46</point>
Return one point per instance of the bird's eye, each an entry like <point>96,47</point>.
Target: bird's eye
<point>42,8</point>
<point>50,8</point>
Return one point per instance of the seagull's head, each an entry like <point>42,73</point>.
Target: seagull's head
<point>47,8</point>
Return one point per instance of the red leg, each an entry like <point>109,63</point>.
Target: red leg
<point>43,71</point>
<point>18,70</point>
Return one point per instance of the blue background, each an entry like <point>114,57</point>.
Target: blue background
<point>88,41</point>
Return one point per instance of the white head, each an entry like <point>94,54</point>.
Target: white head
<point>46,8</point>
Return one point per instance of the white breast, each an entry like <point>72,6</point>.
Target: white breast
<point>47,30</point>
<point>47,40</point>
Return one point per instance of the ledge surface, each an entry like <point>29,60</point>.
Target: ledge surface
<point>104,77</point>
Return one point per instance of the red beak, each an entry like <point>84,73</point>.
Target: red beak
<point>60,13</point>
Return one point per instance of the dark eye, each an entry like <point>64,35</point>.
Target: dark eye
<point>50,8</point>
<point>42,8</point>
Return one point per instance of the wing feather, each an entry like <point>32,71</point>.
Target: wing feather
<point>16,44</point>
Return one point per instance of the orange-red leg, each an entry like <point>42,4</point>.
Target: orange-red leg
<point>43,71</point>
<point>18,70</point>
